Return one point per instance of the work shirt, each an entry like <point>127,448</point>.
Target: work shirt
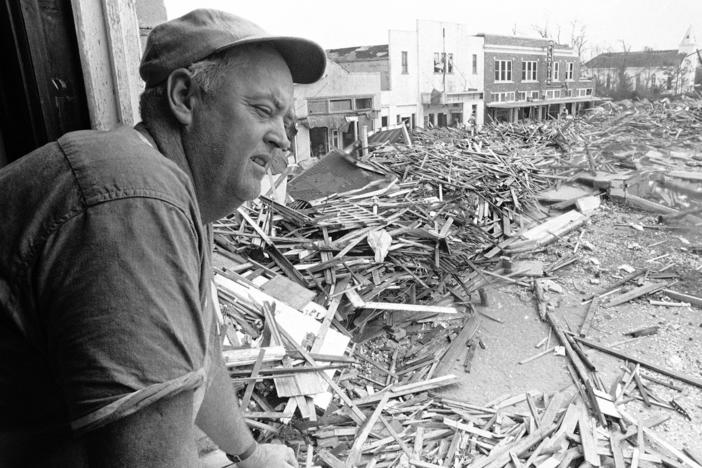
<point>105,302</point>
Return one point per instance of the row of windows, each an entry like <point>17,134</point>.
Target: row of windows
<point>509,96</point>
<point>503,70</point>
<point>326,106</point>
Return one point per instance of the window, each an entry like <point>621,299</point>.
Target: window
<point>503,70</point>
<point>556,71</point>
<point>570,68</point>
<point>653,80</point>
<point>609,81</point>
<point>317,107</point>
<point>529,71</point>
<point>534,95</point>
<point>474,110</point>
<point>404,62</point>
<point>384,121</point>
<point>568,93</point>
<point>588,92</point>
<point>521,95</point>
<point>441,60</point>
<point>364,103</point>
<point>438,66</point>
<point>553,94</point>
<point>475,64</point>
<point>340,105</point>
<point>502,97</point>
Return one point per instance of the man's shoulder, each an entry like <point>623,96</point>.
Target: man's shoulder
<point>119,164</point>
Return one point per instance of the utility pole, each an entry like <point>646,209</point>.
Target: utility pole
<point>445,59</point>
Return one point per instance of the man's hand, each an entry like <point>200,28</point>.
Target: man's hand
<point>271,456</point>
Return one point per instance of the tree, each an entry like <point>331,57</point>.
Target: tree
<point>542,31</point>
<point>624,88</point>
<point>578,38</point>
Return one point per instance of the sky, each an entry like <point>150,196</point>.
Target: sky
<point>609,24</point>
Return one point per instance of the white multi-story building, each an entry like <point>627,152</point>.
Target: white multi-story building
<point>430,75</point>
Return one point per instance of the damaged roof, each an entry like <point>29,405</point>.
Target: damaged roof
<point>353,54</point>
<point>646,58</point>
<point>496,39</point>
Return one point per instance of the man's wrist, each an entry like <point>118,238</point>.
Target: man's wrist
<point>245,454</point>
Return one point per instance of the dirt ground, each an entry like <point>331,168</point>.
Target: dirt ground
<point>615,239</point>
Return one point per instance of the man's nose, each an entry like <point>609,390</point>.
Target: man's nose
<point>277,137</point>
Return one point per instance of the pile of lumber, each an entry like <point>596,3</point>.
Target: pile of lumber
<point>341,312</point>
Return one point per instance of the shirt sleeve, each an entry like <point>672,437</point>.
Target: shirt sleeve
<point>122,290</point>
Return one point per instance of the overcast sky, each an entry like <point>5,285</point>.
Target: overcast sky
<point>660,24</point>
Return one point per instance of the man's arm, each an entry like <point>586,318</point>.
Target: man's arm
<point>158,436</point>
<point>221,419</point>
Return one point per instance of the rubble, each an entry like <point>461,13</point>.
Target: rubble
<point>342,310</point>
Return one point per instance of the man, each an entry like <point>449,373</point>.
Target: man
<point>109,348</point>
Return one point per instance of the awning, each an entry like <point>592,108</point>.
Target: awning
<point>541,102</point>
<point>335,121</point>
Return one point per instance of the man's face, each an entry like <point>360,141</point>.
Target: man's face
<point>236,130</point>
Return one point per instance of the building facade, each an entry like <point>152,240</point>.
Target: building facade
<point>332,112</point>
<point>528,78</point>
<point>450,74</point>
<point>430,76</point>
<point>648,72</point>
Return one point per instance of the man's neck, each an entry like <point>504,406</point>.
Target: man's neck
<point>168,142</point>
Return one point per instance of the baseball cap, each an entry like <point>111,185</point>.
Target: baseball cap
<point>203,32</point>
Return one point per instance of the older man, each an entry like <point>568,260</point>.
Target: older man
<point>109,346</point>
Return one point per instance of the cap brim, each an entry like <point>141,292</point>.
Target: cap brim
<point>306,59</point>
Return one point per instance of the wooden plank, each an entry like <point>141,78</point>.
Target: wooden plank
<point>694,300</point>
<point>696,176</point>
<point>587,439</point>
<point>458,345</point>
<point>290,292</point>
<point>615,445</point>
<point>589,316</point>
<point>354,456</point>
<point>554,406</point>
<point>635,293</point>
<point>467,428</point>
<point>248,356</point>
<point>356,413</point>
<point>254,373</point>
<point>644,363</point>
<point>418,387</point>
<point>410,307</point>
<point>501,457</point>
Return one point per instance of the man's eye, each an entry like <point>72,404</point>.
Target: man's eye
<point>263,110</point>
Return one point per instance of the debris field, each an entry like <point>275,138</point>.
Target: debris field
<point>346,311</point>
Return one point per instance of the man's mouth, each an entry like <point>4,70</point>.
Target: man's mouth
<point>260,160</point>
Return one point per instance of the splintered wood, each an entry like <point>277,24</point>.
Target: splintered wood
<point>343,314</point>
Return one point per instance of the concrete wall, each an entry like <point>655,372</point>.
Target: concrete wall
<point>461,43</point>
<point>380,66</point>
<point>462,83</point>
<point>403,98</point>
<point>336,83</point>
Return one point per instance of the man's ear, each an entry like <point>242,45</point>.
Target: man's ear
<point>180,92</point>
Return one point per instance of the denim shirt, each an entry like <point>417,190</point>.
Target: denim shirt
<point>104,283</point>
